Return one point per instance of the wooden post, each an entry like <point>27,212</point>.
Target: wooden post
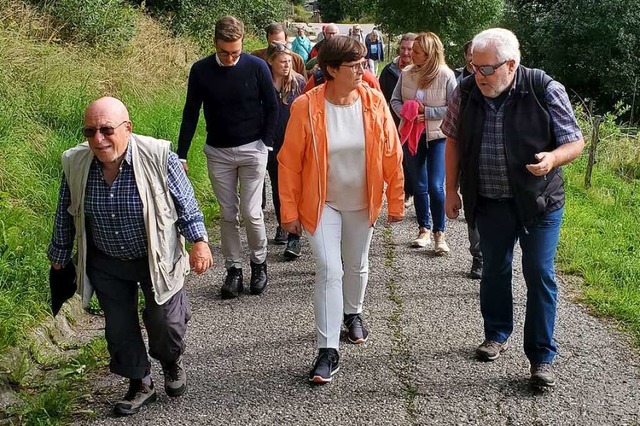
<point>595,136</point>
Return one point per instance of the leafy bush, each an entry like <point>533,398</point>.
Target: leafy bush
<point>95,22</point>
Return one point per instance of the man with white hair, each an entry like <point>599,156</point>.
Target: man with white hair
<point>328,31</point>
<point>509,130</point>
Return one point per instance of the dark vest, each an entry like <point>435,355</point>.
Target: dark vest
<point>527,131</point>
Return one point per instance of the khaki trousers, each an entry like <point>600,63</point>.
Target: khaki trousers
<point>244,166</point>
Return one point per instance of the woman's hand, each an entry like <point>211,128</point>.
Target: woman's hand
<point>293,227</point>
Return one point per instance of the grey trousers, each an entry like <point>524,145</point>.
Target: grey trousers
<point>474,242</point>
<point>245,165</point>
<point>116,285</point>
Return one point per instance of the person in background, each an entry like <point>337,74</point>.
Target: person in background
<point>429,82</point>
<point>126,200</point>
<point>340,149</point>
<point>288,85</point>
<point>328,31</point>
<point>301,45</point>
<point>472,231</point>
<point>275,33</point>
<point>375,52</point>
<point>241,113</point>
<point>509,130</point>
<point>388,80</point>
<point>356,33</point>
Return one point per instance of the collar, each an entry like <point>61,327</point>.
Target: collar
<point>225,65</point>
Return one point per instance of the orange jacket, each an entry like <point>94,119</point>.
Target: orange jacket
<point>302,171</point>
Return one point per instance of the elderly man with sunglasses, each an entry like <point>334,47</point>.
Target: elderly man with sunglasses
<point>126,200</point>
<point>509,130</point>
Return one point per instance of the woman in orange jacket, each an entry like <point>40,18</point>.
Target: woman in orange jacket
<point>340,148</point>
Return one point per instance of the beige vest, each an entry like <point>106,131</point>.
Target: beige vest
<point>168,259</point>
<point>435,96</point>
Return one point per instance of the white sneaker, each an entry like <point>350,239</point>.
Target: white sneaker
<point>441,246</point>
<point>424,238</point>
<point>408,202</point>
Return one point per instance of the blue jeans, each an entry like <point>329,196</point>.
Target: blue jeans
<point>427,173</point>
<point>499,229</point>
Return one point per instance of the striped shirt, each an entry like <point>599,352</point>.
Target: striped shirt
<point>114,213</point>
<point>493,179</point>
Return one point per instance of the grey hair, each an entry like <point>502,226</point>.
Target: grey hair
<point>504,41</point>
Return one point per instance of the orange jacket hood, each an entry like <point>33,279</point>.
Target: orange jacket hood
<point>303,158</point>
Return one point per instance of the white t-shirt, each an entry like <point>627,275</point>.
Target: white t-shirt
<point>347,174</point>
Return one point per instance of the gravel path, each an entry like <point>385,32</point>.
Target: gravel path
<point>247,359</point>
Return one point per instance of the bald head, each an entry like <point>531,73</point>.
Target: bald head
<point>107,128</point>
<point>331,30</point>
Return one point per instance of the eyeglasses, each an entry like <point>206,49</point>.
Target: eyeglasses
<point>487,70</point>
<point>226,54</point>
<point>358,66</point>
<point>90,132</point>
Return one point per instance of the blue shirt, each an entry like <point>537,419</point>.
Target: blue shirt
<point>114,213</point>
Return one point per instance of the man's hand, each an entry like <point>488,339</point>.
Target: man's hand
<point>200,258</point>
<point>56,266</point>
<point>185,166</point>
<point>293,227</point>
<point>452,204</point>
<point>546,163</point>
<point>393,219</point>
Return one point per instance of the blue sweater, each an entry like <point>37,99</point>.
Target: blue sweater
<point>240,103</point>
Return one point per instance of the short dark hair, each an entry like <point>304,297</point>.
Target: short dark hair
<point>274,28</point>
<point>229,28</point>
<point>337,50</point>
<point>466,47</point>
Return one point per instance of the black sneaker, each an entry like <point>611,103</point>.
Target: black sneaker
<point>175,378</point>
<point>476,269</point>
<point>293,249</point>
<point>281,237</point>
<point>259,279</point>
<point>358,334</point>
<point>542,375</point>
<point>232,286</point>
<point>326,364</point>
<point>138,395</point>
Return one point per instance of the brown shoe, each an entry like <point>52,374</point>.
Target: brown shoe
<point>542,375</point>
<point>490,350</point>
<point>138,395</point>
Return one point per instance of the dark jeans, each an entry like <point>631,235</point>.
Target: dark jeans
<point>499,230</point>
<point>116,285</point>
<point>474,242</point>
<point>272,169</point>
<point>427,173</point>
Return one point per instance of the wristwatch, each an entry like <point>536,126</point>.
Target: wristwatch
<point>201,239</point>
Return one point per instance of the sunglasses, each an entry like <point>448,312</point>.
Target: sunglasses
<point>487,70</point>
<point>90,132</point>
<point>276,47</point>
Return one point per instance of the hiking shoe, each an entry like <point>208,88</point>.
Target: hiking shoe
<point>490,350</point>
<point>476,269</point>
<point>424,238</point>
<point>441,247</point>
<point>542,375</point>
<point>358,334</point>
<point>138,395</point>
<point>281,237</point>
<point>408,201</point>
<point>326,364</point>
<point>232,286</point>
<point>293,249</point>
<point>259,277</point>
<point>175,378</point>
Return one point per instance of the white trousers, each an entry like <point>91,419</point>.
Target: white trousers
<point>341,237</point>
<point>245,165</point>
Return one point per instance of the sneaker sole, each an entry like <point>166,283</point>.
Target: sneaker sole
<point>279,243</point>
<point>123,411</point>
<point>258,292</point>
<point>322,380</point>
<point>416,244</point>
<point>174,393</point>
<point>541,384</point>
<point>359,341</point>
<point>441,253</point>
<point>291,255</point>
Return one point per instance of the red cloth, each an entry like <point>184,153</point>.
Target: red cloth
<point>410,129</point>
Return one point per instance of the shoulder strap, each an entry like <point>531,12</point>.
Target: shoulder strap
<point>318,77</point>
<point>539,81</point>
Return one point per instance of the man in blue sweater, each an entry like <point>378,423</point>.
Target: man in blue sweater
<point>241,112</point>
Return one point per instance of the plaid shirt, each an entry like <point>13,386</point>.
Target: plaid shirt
<point>114,214</point>
<point>493,177</point>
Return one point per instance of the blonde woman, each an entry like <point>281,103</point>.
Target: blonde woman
<point>288,85</point>
<point>430,83</point>
<point>340,148</point>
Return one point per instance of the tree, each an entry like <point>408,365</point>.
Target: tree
<point>455,21</point>
<point>330,10</point>
<point>590,46</point>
